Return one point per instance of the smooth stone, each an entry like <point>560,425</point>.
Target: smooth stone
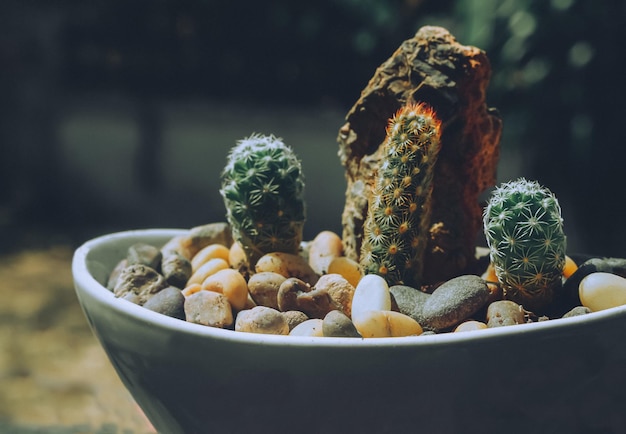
<point>264,288</point>
<point>115,274</point>
<point>593,265</point>
<point>577,311</point>
<point>385,324</point>
<point>454,301</point>
<point>410,301</point>
<point>169,301</point>
<point>176,269</point>
<point>371,293</point>
<point>294,317</point>
<point>599,291</point>
<point>144,254</point>
<point>310,327</point>
<point>504,313</point>
<point>208,308</point>
<point>263,320</point>
<point>338,324</point>
<point>470,325</point>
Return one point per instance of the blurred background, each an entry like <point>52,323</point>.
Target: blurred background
<point>119,114</point>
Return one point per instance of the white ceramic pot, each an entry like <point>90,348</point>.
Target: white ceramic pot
<point>562,376</point>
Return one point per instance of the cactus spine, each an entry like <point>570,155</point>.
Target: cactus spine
<point>398,218</point>
<point>262,188</point>
<point>524,231</point>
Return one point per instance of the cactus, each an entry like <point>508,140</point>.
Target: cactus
<point>524,231</point>
<point>262,187</point>
<point>398,217</point>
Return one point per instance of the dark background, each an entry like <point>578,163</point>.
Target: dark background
<point>118,114</point>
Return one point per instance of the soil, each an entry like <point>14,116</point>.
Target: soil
<point>55,377</point>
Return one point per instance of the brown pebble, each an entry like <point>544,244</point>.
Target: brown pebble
<point>294,317</point>
<point>264,288</point>
<point>339,290</point>
<point>504,313</point>
<point>295,294</point>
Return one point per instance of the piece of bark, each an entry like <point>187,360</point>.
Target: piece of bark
<point>431,67</point>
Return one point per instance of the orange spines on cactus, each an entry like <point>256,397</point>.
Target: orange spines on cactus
<point>398,218</point>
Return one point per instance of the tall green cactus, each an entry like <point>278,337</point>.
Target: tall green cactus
<point>398,218</point>
<point>524,231</point>
<point>262,187</point>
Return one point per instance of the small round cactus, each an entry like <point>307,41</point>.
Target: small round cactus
<point>262,187</point>
<point>398,218</point>
<point>524,231</point>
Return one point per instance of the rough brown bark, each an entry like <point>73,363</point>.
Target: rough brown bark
<point>431,67</point>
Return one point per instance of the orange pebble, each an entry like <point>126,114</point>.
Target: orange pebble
<point>237,256</point>
<point>348,268</point>
<point>211,251</point>
<point>490,274</point>
<point>192,289</point>
<point>230,283</point>
<point>469,326</point>
<point>210,267</point>
<point>570,267</point>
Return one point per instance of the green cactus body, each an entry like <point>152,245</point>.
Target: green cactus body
<point>398,218</point>
<point>262,187</point>
<point>524,231</point>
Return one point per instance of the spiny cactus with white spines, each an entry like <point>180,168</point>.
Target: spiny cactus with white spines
<point>263,190</point>
<point>398,218</point>
<point>524,231</point>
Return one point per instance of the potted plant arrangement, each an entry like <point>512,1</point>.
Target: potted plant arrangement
<point>242,325</point>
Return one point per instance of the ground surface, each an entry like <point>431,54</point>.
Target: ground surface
<point>55,377</point>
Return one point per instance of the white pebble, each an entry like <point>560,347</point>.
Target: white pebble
<point>372,293</point>
<point>599,291</point>
<point>310,327</point>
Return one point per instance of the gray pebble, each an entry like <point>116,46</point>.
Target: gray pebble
<point>169,301</point>
<point>212,233</point>
<point>144,254</point>
<point>337,324</point>
<point>409,301</point>
<point>115,274</point>
<point>140,281</point>
<point>454,301</point>
<point>176,269</point>
<point>578,310</point>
